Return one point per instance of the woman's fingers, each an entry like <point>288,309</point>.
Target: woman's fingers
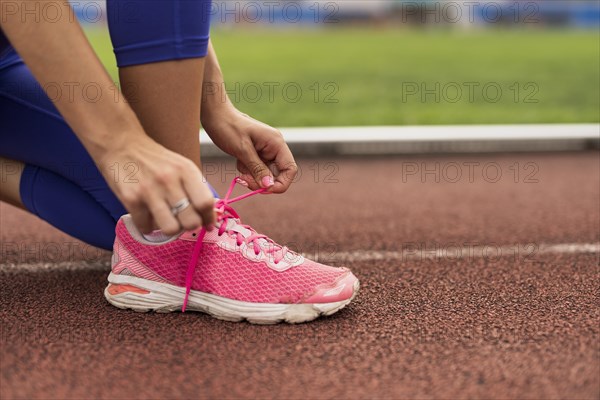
<point>182,208</point>
<point>288,169</point>
<point>162,214</point>
<point>263,158</point>
<point>200,197</point>
<point>255,171</point>
<point>173,201</point>
<point>189,202</point>
<point>276,175</point>
<point>169,192</point>
<point>246,177</point>
<point>142,218</point>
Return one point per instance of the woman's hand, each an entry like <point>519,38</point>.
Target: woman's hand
<point>263,157</point>
<point>150,180</point>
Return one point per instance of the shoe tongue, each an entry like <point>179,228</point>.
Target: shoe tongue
<point>234,225</point>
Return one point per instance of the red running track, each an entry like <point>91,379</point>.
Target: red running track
<point>474,284</point>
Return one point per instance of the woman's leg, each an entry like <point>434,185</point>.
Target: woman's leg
<point>46,170</point>
<point>10,175</point>
<point>59,182</point>
<point>160,48</point>
<point>166,98</point>
<point>59,201</point>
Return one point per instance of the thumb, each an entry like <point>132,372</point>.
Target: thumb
<point>256,168</point>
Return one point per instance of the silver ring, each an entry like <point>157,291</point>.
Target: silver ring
<point>180,206</point>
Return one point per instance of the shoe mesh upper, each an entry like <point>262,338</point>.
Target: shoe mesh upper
<point>229,274</point>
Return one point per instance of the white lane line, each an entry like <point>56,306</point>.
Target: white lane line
<point>574,248</point>
<point>435,133</point>
<point>433,139</point>
<point>416,251</point>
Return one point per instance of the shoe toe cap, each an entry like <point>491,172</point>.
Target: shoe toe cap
<point>343,289</point>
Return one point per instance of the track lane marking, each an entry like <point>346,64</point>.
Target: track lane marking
<point>526,251</point>
<point>449,252</point>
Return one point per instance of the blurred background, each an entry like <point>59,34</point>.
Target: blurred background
<point>477,253</point>
<point>392,62</point>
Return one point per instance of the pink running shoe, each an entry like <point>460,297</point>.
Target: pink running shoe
<point>232,273</point>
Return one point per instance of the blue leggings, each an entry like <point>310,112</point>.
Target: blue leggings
<point>60,182</point>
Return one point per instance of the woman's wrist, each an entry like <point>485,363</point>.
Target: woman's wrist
<point>120,145</point>
<point>217,111</point>
<point>114,137</point>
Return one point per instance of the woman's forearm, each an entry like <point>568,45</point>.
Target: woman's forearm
<point>214,95</point>
<point>60,57</point>
<point>62,60</point>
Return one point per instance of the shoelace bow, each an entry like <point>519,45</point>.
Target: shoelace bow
<point>224,213</point>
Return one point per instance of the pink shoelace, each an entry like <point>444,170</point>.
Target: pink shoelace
<point>224,213</point>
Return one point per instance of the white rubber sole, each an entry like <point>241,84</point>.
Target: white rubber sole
<point>165,298</point>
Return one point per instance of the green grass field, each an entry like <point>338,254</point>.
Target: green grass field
<point>385,77</point>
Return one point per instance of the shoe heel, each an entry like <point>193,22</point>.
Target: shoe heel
<point>134,293</point>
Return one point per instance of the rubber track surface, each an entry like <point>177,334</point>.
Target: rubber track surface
<point>520,324</point>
